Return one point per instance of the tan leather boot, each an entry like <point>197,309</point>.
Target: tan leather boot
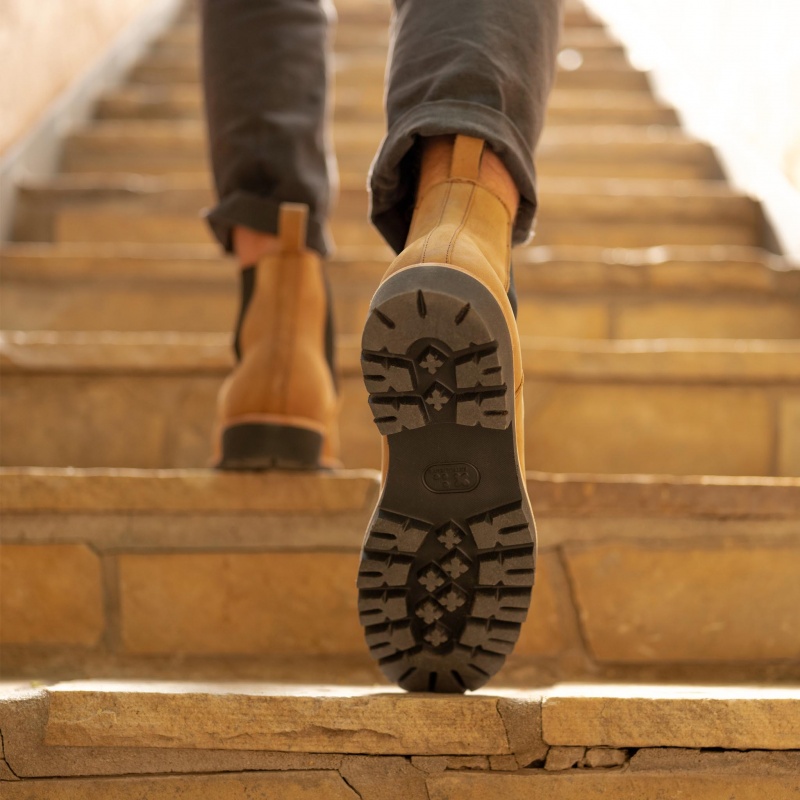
<point>448,561</point>
<point>278,407</point>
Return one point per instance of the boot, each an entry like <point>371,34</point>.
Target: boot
<point>278,407</point>
<point>448,561</point>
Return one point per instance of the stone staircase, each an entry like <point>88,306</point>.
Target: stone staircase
<point>170,632</point>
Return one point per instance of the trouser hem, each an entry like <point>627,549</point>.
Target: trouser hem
<point>261,214</point>
<point>395,171</point>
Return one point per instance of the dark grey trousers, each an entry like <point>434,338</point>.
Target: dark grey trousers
<point>478,67</point>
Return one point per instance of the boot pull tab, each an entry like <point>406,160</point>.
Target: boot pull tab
<point>466,161</point>
<point>292,226</point>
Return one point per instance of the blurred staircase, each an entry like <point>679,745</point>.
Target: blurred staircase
<point>170,632</point>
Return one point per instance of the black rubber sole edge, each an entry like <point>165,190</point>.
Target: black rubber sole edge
<point>448,562</point>
<point>263,446</point>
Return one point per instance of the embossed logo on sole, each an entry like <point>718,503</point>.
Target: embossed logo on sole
<point>443,478</point>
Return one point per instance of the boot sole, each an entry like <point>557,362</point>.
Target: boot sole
<point>448,562</point>
<point>262,446</point>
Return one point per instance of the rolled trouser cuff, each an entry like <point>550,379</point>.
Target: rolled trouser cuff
<point>261,214</point>
<point>395,172</point>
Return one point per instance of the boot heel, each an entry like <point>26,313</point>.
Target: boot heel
<point>261,445</point>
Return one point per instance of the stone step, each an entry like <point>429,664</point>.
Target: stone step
<point>664,406</point>
<point>92,557</point>
<point>618,76</point>
<point>169,66</point>
<point>350,38</point>
<point>132,739</point>
<point>571,292</point>
<point>564,108</point>
<point>158,147</point>
<point>564,219</point>
<point>166,209</point>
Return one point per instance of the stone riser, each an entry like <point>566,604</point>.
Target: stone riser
<point>654,161</point>
<point>349,36</point>
<point>184,67</point>
<point>468,783</point>
<point>150,403</point>
<point>293,741</point>
<point>370,79</point>
<point>87,225</point>
<point>82,594</point>
<point>131,305</point>
<point>564,107</point>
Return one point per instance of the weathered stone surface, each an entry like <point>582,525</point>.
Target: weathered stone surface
<point>604,757</point>
<point>544,631</point>
<point>69,490</point>
<point>523,722</point>
<point>715,603</point>
<point>749,499</point>
<point>584,320</point>
<point>245,603</point>
<point>384,778</point>
<point>590,784</point>
<point>50,595</point>
<point>561,758</point>
<point>603,427</point>
<point>151,402</point>
<point>729,717</point>
<point>433,764</point>
<point>23,716</point>
<point>681,760</point>
<point>716,320</point>
<point>503,763</point>
<point>789,441</point>
<point>288,785</point>
<point>282,718</point>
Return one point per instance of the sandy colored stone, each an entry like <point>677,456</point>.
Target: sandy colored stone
<point>24,722</point>
<point>50,595</point>
<point>523,723</point>
<point>681,760</point>
<point>583,320</point>
<point>654,361</point>
<point>590,784</point>
<point>632,428</point>
<point>604,758</point>
<point>561,758</point>
<point>242,786</point>
<point>723,319</point>
<point>5,772</point>
<point>619,715</point>
<point>789,436</point>
<point>432,764</point>
<point>162,421</point>
<point>206,490</point>
<point>384,778</point>
<point>665,496</point>
<point>307,718</point>
<point>247,603</point>
<point>640,603</point>
<point>543,633</point>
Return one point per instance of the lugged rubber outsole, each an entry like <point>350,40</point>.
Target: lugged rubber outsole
<point>448,561</point>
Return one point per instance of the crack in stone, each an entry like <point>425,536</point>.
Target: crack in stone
<point>350,785</point>
<point>573,596</point>
<point>3,755</point>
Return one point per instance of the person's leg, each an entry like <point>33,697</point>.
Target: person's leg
<point>265,72</point>
<point>448,562</point>
<point>477,67</point>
